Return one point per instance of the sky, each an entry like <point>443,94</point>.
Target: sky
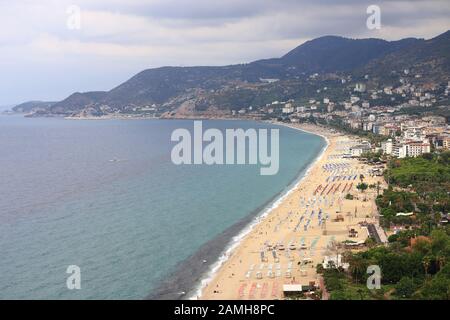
<point>52,48</point>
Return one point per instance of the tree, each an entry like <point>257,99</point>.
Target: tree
<point>358,267</point>
<point>362,186</point>
<point>439,286</point>
<point>406,287</point>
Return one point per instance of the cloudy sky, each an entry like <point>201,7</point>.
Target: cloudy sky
<point>46,55</point>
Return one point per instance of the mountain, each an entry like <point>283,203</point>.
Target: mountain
<point>77,101</point>
<point>33,106</point>
<point>235,85</point>
<point>429,58</point>
<point>331,53</point>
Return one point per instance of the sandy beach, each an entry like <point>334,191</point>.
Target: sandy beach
<point>288,243</point>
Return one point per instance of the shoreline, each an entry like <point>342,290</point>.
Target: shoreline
<point>228,274</point>
<point>236,240</point>
<point>232,245</point>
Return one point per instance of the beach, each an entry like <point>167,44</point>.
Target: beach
<point>306,226</point>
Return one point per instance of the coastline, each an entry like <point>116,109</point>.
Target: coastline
<point>236,240</point>
<point>227,276</point>
<point>236,237</point>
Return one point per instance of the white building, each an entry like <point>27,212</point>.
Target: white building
<point>388,90</point>
<point>288,108</point>
<point>334,261</point>
<point>358,150</point>
<point>360,87</point>
<point>387,146</point>
<point>354,99</point>
<point>417,148</point>
<point>412,133</point>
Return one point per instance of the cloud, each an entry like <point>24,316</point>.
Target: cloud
<point>120,37</point>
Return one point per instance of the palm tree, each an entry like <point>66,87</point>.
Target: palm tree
<point>440,259</point>
<point>357,267</point>
<point>426,261</point>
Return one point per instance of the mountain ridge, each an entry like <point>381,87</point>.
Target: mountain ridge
<point>172,86</point>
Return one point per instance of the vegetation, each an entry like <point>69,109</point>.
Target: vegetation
<point>362,186</point>
<point>372,157</point>
<point>410,269</point>
<point>415,264</point>
<point>338,124</point>
<point>420,185</point>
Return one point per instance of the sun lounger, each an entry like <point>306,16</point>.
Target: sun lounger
<point>241,292</point>
<point>252,292</point>
<point>264,290</point>
<point>275,290</point>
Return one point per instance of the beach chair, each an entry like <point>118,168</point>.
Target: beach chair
<point>275,290</point>
<point>252,292</point>
<point>241,292</point>
<point>264,290</point>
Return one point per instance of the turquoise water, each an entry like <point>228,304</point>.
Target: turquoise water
<point>128,224</point>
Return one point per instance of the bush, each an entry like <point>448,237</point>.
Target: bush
<point>406,287</point>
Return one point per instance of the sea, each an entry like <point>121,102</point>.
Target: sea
<point>104,196</point>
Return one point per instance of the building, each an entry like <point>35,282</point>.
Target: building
<point>387,147</point>
<point>288,108</point>
<point>442,142</point>
<point>334,262</point>
<point>354,99</point>
<point>412,133</point>
<point>360,87</point>
<point>357,151</point>
<point>367,126</point>
<point>417,148</point>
